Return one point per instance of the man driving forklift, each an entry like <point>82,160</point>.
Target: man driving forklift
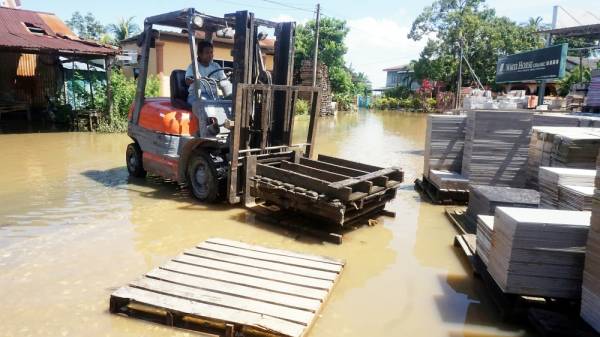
<point>208,69</point>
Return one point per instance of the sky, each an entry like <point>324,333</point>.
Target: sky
<point>378,28</point>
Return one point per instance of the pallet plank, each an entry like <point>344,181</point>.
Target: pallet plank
<point>275,266</point>
<point>210,312</point>
<point>233,302</point>
<point>253,271</point>
<point>332,167</point>
<point>292,261</point>
<point>275,251</point>
<point>198,281</point>
<point>348,163</point>
<point>250,281</point>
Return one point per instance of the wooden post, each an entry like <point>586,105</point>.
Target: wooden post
<point>249,172</point>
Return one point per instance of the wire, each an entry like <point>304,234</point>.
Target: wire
<point>569,14</point>
<point>592,14</point>
<point>289,6</point>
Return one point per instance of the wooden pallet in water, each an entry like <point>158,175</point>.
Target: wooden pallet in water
<point>440,196</point>
<point>231,288</point>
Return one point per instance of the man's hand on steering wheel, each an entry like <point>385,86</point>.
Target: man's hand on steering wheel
<point>227,71</point>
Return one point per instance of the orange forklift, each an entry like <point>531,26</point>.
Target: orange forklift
<point>239,148</point>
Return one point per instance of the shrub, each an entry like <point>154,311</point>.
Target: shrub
<point>301,107</point>
<point>123,92</point>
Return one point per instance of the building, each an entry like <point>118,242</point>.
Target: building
<point>172,52</point>
<point>401,76</point>
<point>35,49</point>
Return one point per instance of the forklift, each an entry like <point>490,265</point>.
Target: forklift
<point>239,148</point>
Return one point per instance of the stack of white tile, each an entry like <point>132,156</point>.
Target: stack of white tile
<point>444,143</point>
<point>485,230</point>
<point>590,297</point>
<point>561,147</point>
<point>576,198</point>
<point>551,177</point>
<point>539,252</point>
<point>496,147</point>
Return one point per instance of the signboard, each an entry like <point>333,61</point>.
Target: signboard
<point>536,65</point>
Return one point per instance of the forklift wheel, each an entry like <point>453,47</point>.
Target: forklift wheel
<point>202,178</point>
<point>133,157</point>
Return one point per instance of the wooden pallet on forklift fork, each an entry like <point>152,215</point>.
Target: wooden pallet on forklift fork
<point>550,317</point>
<point>301,224</point>
<point>332,191</point>
<point>441,196</point>
<point>231,288</point>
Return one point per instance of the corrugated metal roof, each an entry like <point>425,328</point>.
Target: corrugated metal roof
<point>57,37</point>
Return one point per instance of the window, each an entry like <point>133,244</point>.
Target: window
<point>33,29</point>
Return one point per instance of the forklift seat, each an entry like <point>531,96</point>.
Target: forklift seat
<point>179,90</point>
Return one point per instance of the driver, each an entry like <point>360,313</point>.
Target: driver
<point>206,66</point>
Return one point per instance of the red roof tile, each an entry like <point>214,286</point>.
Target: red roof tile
<point>58,38</point>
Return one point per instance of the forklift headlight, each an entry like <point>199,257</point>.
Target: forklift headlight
<point>198,21</point>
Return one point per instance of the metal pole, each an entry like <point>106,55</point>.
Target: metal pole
<point>542,86</point>
<point>459,81</point>
<point>316,52</point>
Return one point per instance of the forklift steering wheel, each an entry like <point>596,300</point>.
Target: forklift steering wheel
<point>228,71</point>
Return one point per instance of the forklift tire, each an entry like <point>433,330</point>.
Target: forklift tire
<point>133,158</point>
<point>202,178</point>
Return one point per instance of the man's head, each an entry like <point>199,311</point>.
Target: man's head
<point>205,52</point>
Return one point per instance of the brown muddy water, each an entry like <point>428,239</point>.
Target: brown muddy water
<point>74,227</point>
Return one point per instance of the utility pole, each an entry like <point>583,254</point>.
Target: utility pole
<point>459,81</point>
<point>316,51</point>
<point>542,84</point>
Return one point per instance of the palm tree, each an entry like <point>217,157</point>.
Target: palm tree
<point>124,28</point>
<point>535,23</point>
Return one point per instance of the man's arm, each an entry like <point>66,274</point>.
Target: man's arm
<point>189,75</point>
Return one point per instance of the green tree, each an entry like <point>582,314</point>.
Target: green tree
<point>123,29</point>
<point>332,32</point>
<point>86,27</point>
<point>472,25</point>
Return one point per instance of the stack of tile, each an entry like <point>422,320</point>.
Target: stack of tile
<point>496,147</point>
<point>593,96</point>
<point>444,143</point>
<point>483,200</point>
<point>576,198</point>
<point>539,252</point>
<point>561,147</point>
<point>551,177</point>
<point>559,119</point>
<point>590,297</point>
<point>306,79</point>
<point>485,230</point>
<point>447,180</point>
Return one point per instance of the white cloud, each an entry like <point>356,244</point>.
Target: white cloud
<point>375,44</point>
<point>288,18</point>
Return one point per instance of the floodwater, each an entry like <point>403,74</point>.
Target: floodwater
<point>74,227</point>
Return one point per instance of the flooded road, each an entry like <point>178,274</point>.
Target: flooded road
<point>74,227</point>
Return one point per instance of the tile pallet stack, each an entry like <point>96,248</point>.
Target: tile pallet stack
<point>444,149</point>
<point>590,298</point>
<point>306,79</point>
<point>561,147</point>
<point>485,231</point>
<point>551,177</point>
<point>593,96</point>
<point>538,252</point>
<point>575,198</point>
<point>483,200</point>
<point>496,147</point>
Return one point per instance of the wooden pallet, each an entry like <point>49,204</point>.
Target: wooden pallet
<point>333,190</point>
<point>458,217</point>
<point>440,196</point>
<point>303,225</point>
<point>231,288</point>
